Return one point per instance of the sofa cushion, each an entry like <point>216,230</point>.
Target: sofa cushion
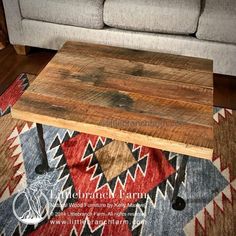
<point>218,21</point>
<point>82,13</point>
<point>167,16</point>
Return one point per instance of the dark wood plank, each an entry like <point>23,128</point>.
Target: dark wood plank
<point>225,91</point>
<point>3,28</point>
<point>11,64</point>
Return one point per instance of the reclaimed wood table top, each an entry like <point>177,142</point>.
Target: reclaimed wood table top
<point>158,100</point>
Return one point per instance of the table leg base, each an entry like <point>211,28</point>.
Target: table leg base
<point>40,170</point>
<point>179,204</point>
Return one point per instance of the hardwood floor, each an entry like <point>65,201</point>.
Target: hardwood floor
<point>11,65</point>
<point>225,91</point>
<point>3,28</point>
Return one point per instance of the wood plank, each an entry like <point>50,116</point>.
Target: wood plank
<point>12,64</point>
<point>155,58</point>
<point>107,77</point>
<point>191,113</point>
<point>132,68</point>
<point>225,91</point>
<point>163,134</point>
<point>3,28</point>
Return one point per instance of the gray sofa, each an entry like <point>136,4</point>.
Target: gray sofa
<point>198,28</point>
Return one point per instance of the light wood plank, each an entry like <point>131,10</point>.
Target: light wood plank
<point>105,76</point>
<point>149,131</point>
<point>141,104</point>
<point>155,58</point>
<point>134,68</point>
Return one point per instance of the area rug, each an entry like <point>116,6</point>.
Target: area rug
<point>99,186</point>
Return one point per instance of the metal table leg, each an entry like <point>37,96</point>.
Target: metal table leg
<point>178,203</point>
<point>43,167</point>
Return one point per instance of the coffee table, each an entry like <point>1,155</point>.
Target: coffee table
<point>152,99</point>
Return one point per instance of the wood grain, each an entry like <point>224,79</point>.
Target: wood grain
<point>137,103</point>
<point>21,49</point>
<point>130,66</point>
<point>155,58</point>
<point>147,131</point>
<point>225,91</point>
<point>151,99</point>
<point>101,77</point>
<point>3,28</point>
<point>12,64</point>
<point>119,156</point>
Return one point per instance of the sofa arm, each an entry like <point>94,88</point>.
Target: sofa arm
<point>14,21</point>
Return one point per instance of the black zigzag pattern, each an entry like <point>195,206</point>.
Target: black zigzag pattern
<point>25,85</point>
<point>90,151</point>
<point>87,231</point>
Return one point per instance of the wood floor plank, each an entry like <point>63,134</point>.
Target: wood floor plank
<point>11,64</point>
<point>225,91</point>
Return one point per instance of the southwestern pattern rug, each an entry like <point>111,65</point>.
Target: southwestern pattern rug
<point>99,186</point>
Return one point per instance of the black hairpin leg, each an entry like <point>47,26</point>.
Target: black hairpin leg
<point>178,203</point>
<point>43,167</point>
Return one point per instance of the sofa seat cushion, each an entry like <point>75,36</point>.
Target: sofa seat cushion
<point>167,16</point>
<point>218,21</point>
<point>81,13</point>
